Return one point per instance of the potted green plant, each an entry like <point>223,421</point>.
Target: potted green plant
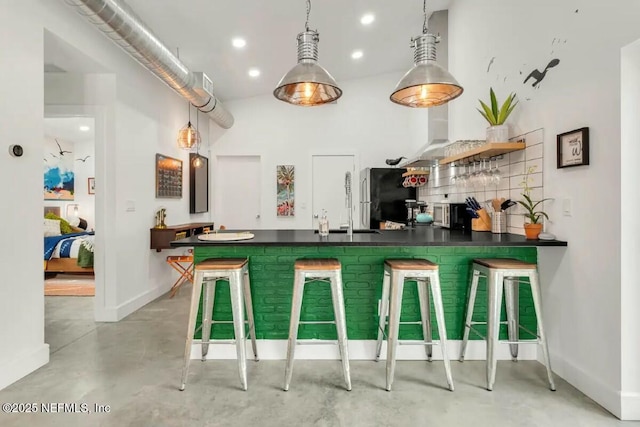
<point>533,228</point>
<point>497,130</point>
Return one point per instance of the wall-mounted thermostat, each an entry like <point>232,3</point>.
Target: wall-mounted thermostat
<point>16,150</point>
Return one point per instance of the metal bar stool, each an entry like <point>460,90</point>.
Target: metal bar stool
<point>426,274</point>
<point>207,274</point>
<point>504,273</point>
<point>329,271</point>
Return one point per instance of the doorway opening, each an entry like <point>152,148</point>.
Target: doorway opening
<point>69,208</point>
<point>74,128</point>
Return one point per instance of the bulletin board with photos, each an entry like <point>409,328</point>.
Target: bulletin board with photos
<point>168,177</point>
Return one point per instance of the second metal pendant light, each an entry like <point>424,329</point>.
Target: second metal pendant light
<point>427,84</point>
<point>307,84</point>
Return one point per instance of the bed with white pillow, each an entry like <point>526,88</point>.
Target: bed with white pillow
<point>61,250</point>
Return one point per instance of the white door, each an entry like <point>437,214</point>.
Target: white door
<point>237,187</point>
<point>328,181</point>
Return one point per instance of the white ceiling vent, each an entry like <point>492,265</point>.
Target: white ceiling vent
<point>203,84</point>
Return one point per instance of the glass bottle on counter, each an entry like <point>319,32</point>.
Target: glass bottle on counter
<point>323,224</point>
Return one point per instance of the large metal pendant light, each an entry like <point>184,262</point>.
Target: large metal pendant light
<point>308,84</point>
<point>188,136</point>
<point>427,84</point>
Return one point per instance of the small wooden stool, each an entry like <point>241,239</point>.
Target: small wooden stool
<point>319,270</point>
<point>208,272</point>
<point>183,264</point>
<point>503,274</point>
<point>426,274</point>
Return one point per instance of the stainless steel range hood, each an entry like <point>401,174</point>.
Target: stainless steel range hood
<point>429,155</point>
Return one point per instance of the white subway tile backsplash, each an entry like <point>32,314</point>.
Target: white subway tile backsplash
<point>504,181</point>
<point>503,161</point>
<point>503,194</point>
<point>534,152</point>
<point>534,138</point>
<point>517,156</point>
<point>517,181</point>
<point>516,230</point>
<point>517,168</point>
<point>537,164</point>
<point>512,168</point>
<point>515,221</point>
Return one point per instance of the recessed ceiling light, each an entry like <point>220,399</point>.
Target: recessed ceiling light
<point>239,43</point>
<point>254,72</point>
<point>84,128</point>
<point>357,54</point>
<point>367,19</point>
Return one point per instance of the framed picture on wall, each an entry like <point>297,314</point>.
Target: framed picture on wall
<point>91,183</point>
<point>52,209</point>
<point>573,148</point>
<point>168,177</point>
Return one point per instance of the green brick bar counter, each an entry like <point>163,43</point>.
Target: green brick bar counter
<point>272,254</point>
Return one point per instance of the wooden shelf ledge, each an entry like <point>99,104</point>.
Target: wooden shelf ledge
<point>418,172</point>
<point>487,151</point>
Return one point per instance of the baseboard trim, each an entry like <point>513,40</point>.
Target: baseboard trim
<point>117,313</point>
<point>23,365</point>
<point>359,350</point>
<point>604,395</point>
<point>630,403</point>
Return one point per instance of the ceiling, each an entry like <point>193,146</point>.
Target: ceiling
<point>68,128</point>
<point>203,30</point>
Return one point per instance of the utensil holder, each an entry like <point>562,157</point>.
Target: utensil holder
<point>483,223</point>
<point>498,222</point>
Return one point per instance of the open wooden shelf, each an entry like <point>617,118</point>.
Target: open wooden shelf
<point>161,238</point>
<point>417,172</point>
<point>487,151</point>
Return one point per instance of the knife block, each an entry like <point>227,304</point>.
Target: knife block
<point>483,223</point>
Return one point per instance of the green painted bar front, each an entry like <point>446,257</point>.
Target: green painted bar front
<point>271,272</point>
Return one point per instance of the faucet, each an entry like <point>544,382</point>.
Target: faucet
<point>349,202</point>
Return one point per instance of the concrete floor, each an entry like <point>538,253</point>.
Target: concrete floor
<point>134,367</point>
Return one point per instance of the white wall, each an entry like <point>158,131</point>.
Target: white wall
<point>22,292</point>
<point>363,122</point>
<point>84,171</point>
<point>630,202</point>
<point>582,292</point>
<point>139,117</point>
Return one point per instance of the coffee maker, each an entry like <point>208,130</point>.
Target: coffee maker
<point>412,211</point>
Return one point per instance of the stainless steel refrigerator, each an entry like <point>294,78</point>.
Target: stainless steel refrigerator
<point>382,196</point>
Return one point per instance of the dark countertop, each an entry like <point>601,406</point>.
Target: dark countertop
<point>420,236</point>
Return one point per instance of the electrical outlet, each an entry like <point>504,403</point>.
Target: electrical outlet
<point>567,209</point>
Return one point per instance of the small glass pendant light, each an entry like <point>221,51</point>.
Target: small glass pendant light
<point>197,160</point>
<point>188,136</point>
<point>307,84</point>
<point>427,84</point>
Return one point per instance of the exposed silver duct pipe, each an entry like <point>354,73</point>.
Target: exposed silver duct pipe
<point>120,23</point>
